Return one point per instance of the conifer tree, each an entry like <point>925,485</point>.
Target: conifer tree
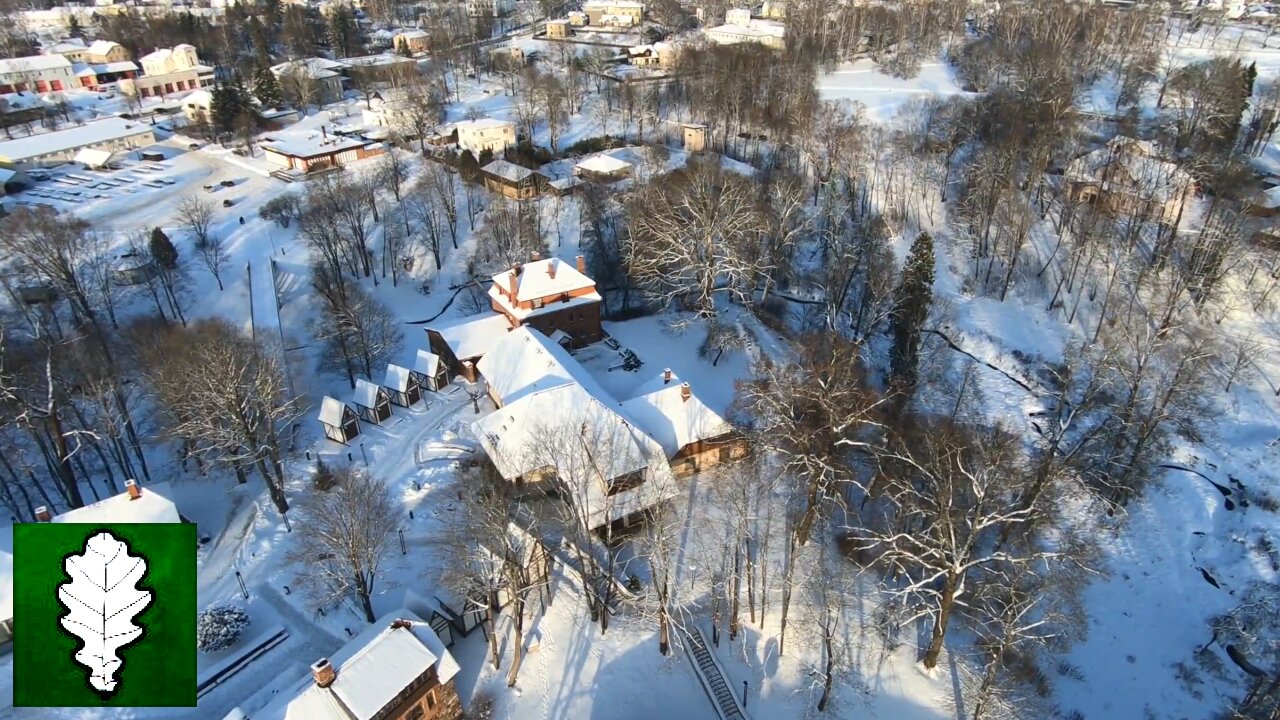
<point>162,249</point>
<point>267,88</point>
<point>224,109</point>
<point>910,311</point>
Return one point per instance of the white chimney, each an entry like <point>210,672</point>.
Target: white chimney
<point>666,375</point>
<point>42,514</point>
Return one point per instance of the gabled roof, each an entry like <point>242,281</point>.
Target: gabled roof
<point>426,363</point>
<point>102,47</point>
<point>472,336</point>
<point>93,158</point>
<point>366,394</point>
<point>154,506</point>
<point>413,34</point>
<point>603,163</point>
<point>371,670</point>
<point>482,124</point>
<point>1130,165</point>
<point>33,63</point>
<point>508,171</point>
<point>673,420</point>
<point>331,410</point>
<point>525,361</point>
<point>397,378</point>
<point>534,279</point>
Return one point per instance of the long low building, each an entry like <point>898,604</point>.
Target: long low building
<point>312,151</point>
<point>55,148</point>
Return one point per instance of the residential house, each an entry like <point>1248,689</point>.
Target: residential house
<point>578,18</point>
<point>396,669</point>
<point>1128,177</point>
<point>402,385</point>
<point>556,428</point>
<point>152,504</point>
<point>340,422</point>
<point>373,402</point>
<point>489,8</point>
<point>551,295</point>
<point>412,42</point>
<point>558,29</point>
<point>38,73</point>
<point>99,52</point>
<point>613,13</point>
<point>694,137</point>
<point>112,134</point>
<point>603,168</point>
<point>485,134</point>
<point>693,436</point>
<point>312,80</point>
<point>431,370</point>
<point>198,106</point>
<point>169,70</point>
<point>513,181</point>
<point>659,55</point>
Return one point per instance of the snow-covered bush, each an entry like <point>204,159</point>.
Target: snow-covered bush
<point>219,627</point>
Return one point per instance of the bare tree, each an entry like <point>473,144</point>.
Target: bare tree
<point>346,533</point>
<point>196,217</point>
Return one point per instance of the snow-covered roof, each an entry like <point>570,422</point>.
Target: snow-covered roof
<point>70,45</point>
<point>365,394</point>
<point>673,420</point>
<point>507,171</point>
<point>155,505</point>
<point>397,378</point>
<point>93,159</point>
<point>72,138</point>
<point>481,124</point>
<point>318,68</point>
<point>534,280</point>
<point>525,361</point>
<point>379,59</point>
<point>1130,165</point>
<point>473,336</point>
<point>160,55</point>
<point>587,441</point>
<point>102,47</point>
<point>33,63</point>
<point>307,144</point>
<point>331,411</point>
<point>199,98</point>
<point>6,573</point>
<point>603,163</point>
<point>413,35</point>
<point>565,183</point>
<point>426,363</point>
<point>7,174</point>
<point>371,670</point>
<point>602,4</point>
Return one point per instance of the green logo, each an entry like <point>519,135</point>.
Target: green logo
<point>104,615</point>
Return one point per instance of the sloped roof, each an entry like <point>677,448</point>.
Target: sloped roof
<point>91,158</point>
<point>525,361</point>
<point>473,336</point>
<point>482,124</point>
<point>397,378</point>
<point>102,47</point>
<point>154,506</point>
<point>331,411</point>
<point>508,171</point>
<point>672,420</point>
<point>413,34</point>
<point>603,163</point>
<point>365,394</point>
<point>33,63</point>
<point>72,138</point>
<point>371,670</point>
<point>1130,165</point>
<point>534,279</point>
<point>426,363</point>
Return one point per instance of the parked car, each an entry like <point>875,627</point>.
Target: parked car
<point>210,188</point>
<point>228,202</point>
<point>228,183</point>
<point>193,146</point>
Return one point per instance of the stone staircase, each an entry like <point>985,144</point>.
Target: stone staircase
<point>712,677</point>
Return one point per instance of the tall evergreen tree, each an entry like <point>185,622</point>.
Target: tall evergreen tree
<point>266,87</point>
<point>344,35</point>
<point>228,103</point>
<point>910,311</point>
<point>162,249</point>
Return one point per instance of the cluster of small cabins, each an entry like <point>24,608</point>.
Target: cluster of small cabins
<point>554,423</point>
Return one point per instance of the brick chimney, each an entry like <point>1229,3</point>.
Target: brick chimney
<point>323,673</point>
<point>582,264</point>
<point>401,625</point>
<point>513,282</point>
<point>666,375</point>
<point>685,392</point>
<point>131,487</point>
<point>535,256</point>
<point>42,514</point>
<point>551,268</point>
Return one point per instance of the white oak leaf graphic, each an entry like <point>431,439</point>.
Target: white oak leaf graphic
<point>101,601</point>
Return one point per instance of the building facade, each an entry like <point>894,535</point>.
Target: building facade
<point>111,134</point>
<point>619,13</point>
<point>167,71</point>
<point>36,73</point>
<point>486,134</point>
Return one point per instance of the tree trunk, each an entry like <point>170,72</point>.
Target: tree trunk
<point>945,604</point>
<point>494,610</point>
<point>829,661</point>
<point>517,648</point>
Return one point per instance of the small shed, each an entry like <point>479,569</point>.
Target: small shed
<point>430,370</point>
<point>402,385</point>
<point>339,420</point>
<point>373,402</point>
<point>564,186</point>
<point>94,159</point>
